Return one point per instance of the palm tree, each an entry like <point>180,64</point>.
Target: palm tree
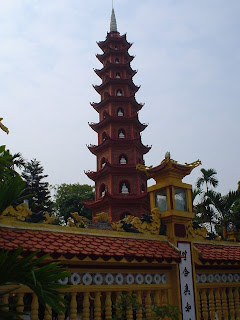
<point>208,178</point>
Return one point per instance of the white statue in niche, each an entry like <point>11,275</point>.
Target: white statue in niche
<point>119,93</point>
<point>121,134</point>
<point>123,160</point>
<point>120,113</point>
<point>124,188</point>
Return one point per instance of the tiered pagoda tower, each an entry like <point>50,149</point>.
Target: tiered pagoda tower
<point>120,188</point>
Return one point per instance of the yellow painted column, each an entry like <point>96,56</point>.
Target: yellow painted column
<point>73,306</point>
<point>218,303</point>
<point>61,316</point>
<point>236,302</point>
<point>231,304</point>
<point>152,200</point>
<point>34,307</point>
<point>139,300</point>
<point>148,303</point>
<point>86,305</point>
<point>5,301</point>
<point>156,298</point>
<point>129,312</point>
<point>211,304</point>
<point>118,296</point>
<point>108,306</point>
<point>97,306</point>
<point>48,313</point>
<point>224,304</point>
<point>204,304</point>
<point>20,303</point>
<point>198,307</point>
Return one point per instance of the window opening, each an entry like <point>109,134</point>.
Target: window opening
<point>119,93</point>
<point>161,200</point>
<point>123,159</point>
<point>180,199</point>
<point>121,134</point>
<point>124,187</point>
<point>120,112</point>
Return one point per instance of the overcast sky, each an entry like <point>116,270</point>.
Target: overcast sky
<point>188,62</point>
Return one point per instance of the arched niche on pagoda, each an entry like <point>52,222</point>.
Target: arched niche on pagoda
<point>120,112</point>
<point>121,133</point>
<point>104,136</point>
<point>119,92</point>
<point>123,159</point>
<point>124,187</point>
<point>118,75</point>
<point>102,190</point>
<point>103,162</point>
<point>117,60</point>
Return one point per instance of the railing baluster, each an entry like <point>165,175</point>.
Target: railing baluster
<point>73,306</point>
<point>61,316</point>
<point>108,306</point>
<point>5,301</point>
<point>211,304</point>
<point>86,305</point>
<point>34,307</point>
<point>97,306</point>
<point>118,296</point>
<point>204,304</point>
<point>231,304</point>
<point>156,298</point>
<point>218,304</point>
<point>236,303</point>
<point>224,304</point>
<point>48,313</point>
<point>139,300</point>
<point>20,307</point>
<point>148,305</point>
<point>129,311</point>
<point>198,305</point>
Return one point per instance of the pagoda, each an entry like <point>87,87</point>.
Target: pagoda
<point>120,189</point>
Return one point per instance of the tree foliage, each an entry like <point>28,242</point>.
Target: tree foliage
<point>69,198</point>
<point>40,199</point>
<point>12,187</point>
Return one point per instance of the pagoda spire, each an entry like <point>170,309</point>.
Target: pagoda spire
<point>113,22</point>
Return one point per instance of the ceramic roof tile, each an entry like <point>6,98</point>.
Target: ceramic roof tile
<point>86,245</point>
<point>215,252</point>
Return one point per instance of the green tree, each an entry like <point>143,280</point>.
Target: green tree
<point>29,271</point>
<point>204,209</point>
<point>12,186</point>
<point>40,199</point>
<point>69,198</point>
<point>208,179</point>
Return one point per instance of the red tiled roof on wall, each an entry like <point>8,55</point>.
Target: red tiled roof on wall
<point>94,246</point>
<point>218,253</point>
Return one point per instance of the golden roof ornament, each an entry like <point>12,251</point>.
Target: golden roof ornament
<point>3,127</point>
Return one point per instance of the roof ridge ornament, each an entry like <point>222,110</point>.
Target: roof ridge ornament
<point>113,23</point>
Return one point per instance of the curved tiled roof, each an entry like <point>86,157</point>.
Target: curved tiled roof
<point>82,245</point>
<point>218,253</point>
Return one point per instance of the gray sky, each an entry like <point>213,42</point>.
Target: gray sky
<point>188,61</point>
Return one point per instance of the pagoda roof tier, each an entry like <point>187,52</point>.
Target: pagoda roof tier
<point>114,37</point>
<point>109,65</point>
<point>109,51</point>
<point>109,81</point>
<point>95,149</point>
<point>117,200</point>
<point>108,118</point>
<point>108,98</point>
<point>109,168</point>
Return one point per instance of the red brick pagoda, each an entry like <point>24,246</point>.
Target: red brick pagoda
<point>120,188</point>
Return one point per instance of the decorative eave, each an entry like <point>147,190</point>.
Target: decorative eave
<point>109,81</point>
<point>109,65</point>
<point>109,51</point>
<point>109,98</point>
<point>117,199</point>
<point>169,168</point>
<point>108,142</point>
<point>70,245</point>
<point>114,37</point>
<point>134,119</point>
<point>109,168</point>
<point>218,253</point>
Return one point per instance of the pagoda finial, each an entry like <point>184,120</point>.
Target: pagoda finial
<point>113,23</point>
